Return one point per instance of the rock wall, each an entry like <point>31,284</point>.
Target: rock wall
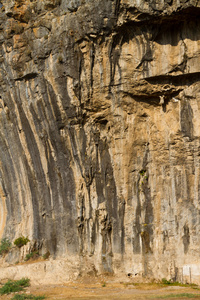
<point>100,133</point>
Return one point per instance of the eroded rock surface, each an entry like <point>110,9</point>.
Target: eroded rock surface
<point>100,133</point>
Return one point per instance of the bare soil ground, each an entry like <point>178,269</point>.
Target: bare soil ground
<point>104,288</point>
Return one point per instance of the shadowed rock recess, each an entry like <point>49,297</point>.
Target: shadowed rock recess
<point>100,134</point>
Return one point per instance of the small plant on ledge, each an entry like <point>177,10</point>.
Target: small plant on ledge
<point>46,255</point>
<point>5,246</point>
<point>32,255</point>
<point>21,241</point>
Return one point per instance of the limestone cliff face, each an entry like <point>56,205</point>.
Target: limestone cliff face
<point>100,132</point>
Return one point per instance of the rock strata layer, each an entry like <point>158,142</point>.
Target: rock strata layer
<point>100,133</point>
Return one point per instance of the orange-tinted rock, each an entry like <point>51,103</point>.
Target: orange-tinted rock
<point>99,142</point>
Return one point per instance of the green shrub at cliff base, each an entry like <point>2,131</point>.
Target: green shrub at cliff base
<point>46,255</point>
<point>176,283</point>
<point>21,241</point>
<point>5,246</point>
<point>28,297</point>
<point>33,255</point>
<point>12,286</point>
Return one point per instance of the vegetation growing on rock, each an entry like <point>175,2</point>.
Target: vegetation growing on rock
<point>5,246</point>
<point>21,241</point>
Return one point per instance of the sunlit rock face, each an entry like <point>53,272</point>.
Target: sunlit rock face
<point>100,133</point>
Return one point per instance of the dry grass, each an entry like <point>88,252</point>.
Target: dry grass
<point>105,288</point>
<point>160,285</point>
<point>145,286</point>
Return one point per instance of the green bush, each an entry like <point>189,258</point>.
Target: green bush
<point>12,286</point>
<point>176,283</point>
<point>21,241</point>
<point>33,255</point>
<point>28,297</point>
<point>46,255</point>
<point>165,281</point>
<point>5,246</point>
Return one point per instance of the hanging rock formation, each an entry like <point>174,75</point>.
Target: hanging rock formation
<point>100,133</point>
